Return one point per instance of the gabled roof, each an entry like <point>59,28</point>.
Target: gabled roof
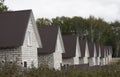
<point>48,36</point>
<point>91,49</point>
<point>97,49</point>
<point>13,25</point>
<point>82,47</point>
<point>70,42</point>
<point>102,51</point>
<point>107,50</point>
<point>110,50</point>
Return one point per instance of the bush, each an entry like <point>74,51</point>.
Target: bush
<point>101,71</point>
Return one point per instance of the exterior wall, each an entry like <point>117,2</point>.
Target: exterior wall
<point>86,54</point>
<point>78,54</point>
<point>92,61</point>
<point>107,59</point>
<point>86,50</point>
<point>110,57</point>
<point>29,52</point>
<point>57,60</point>
<point>102,61</point>
<point>74,60</point>
<point>58,52</point>
<point>97,60</point>
<point>84,60</point>
<point>53,60</point>
<point>46,60</point>
<point>69,61</point>
<point>11,55</point>
<point>81,61</point>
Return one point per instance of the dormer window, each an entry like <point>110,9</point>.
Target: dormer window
<point>29,39</point>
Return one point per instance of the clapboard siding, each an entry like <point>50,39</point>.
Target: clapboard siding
<point>29,52</point>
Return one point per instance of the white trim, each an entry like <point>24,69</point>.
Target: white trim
<point>36,30</point>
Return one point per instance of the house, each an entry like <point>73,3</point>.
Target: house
<point>19,38</point>
<point>110,53</point>
<point>72,50</point>
<point>52,47</point>
<point>84,52</point>
<point>92,54</point>
<point>107,54</point>
<point>103,55</point>
<point>98,51</point>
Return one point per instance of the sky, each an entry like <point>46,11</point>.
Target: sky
<point>108,10</point>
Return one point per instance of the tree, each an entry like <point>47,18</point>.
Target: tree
<point>3,7</point>
<point>116,35</point>
<point>93,29</point>
<point>43,22</point>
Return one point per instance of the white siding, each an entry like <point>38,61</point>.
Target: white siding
<point>86,54</point>
<point>77,54</point>
<point>102,61</point>
<point>98,57</point>
<point>98,61</point>
<point>29,53</point>
<point>69,61</point>
<point>58,52</point>
<point>92,61</point>
<point>74,60</point>
<point>11,55</point>
<point>54,60</point>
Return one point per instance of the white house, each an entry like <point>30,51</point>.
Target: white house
<point>19,38</point>
<point>103,55</point>
<point>92,54</point>
<point>98,51</point>
<point>52,47</point>
<point>72,50</point>
<point>84,52</point>
<point>109,53</point>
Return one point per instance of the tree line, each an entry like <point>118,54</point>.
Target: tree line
<point>93,29</point>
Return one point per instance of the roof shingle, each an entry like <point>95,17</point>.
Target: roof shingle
<point>70,42</point>
<point>48,38</point>
<point>13,25</point>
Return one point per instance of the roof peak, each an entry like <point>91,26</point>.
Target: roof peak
<point>28,10</point>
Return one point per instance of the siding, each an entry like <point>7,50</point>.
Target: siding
<point>29,53</point>
<point>69,61</point>
<point>85,59</point>
<point>92,61</point>
<point>11,55</point>
<point>102,61</point>
<point>58,52</point>
<point>53,60</point>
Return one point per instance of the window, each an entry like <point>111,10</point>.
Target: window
<point>3,61</point>
<point>25,64</point>
<point>29,38</point>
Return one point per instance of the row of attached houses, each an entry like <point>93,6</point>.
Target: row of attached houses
<point>21,41</point>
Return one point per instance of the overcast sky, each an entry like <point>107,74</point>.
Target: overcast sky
<point>106,9</point>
